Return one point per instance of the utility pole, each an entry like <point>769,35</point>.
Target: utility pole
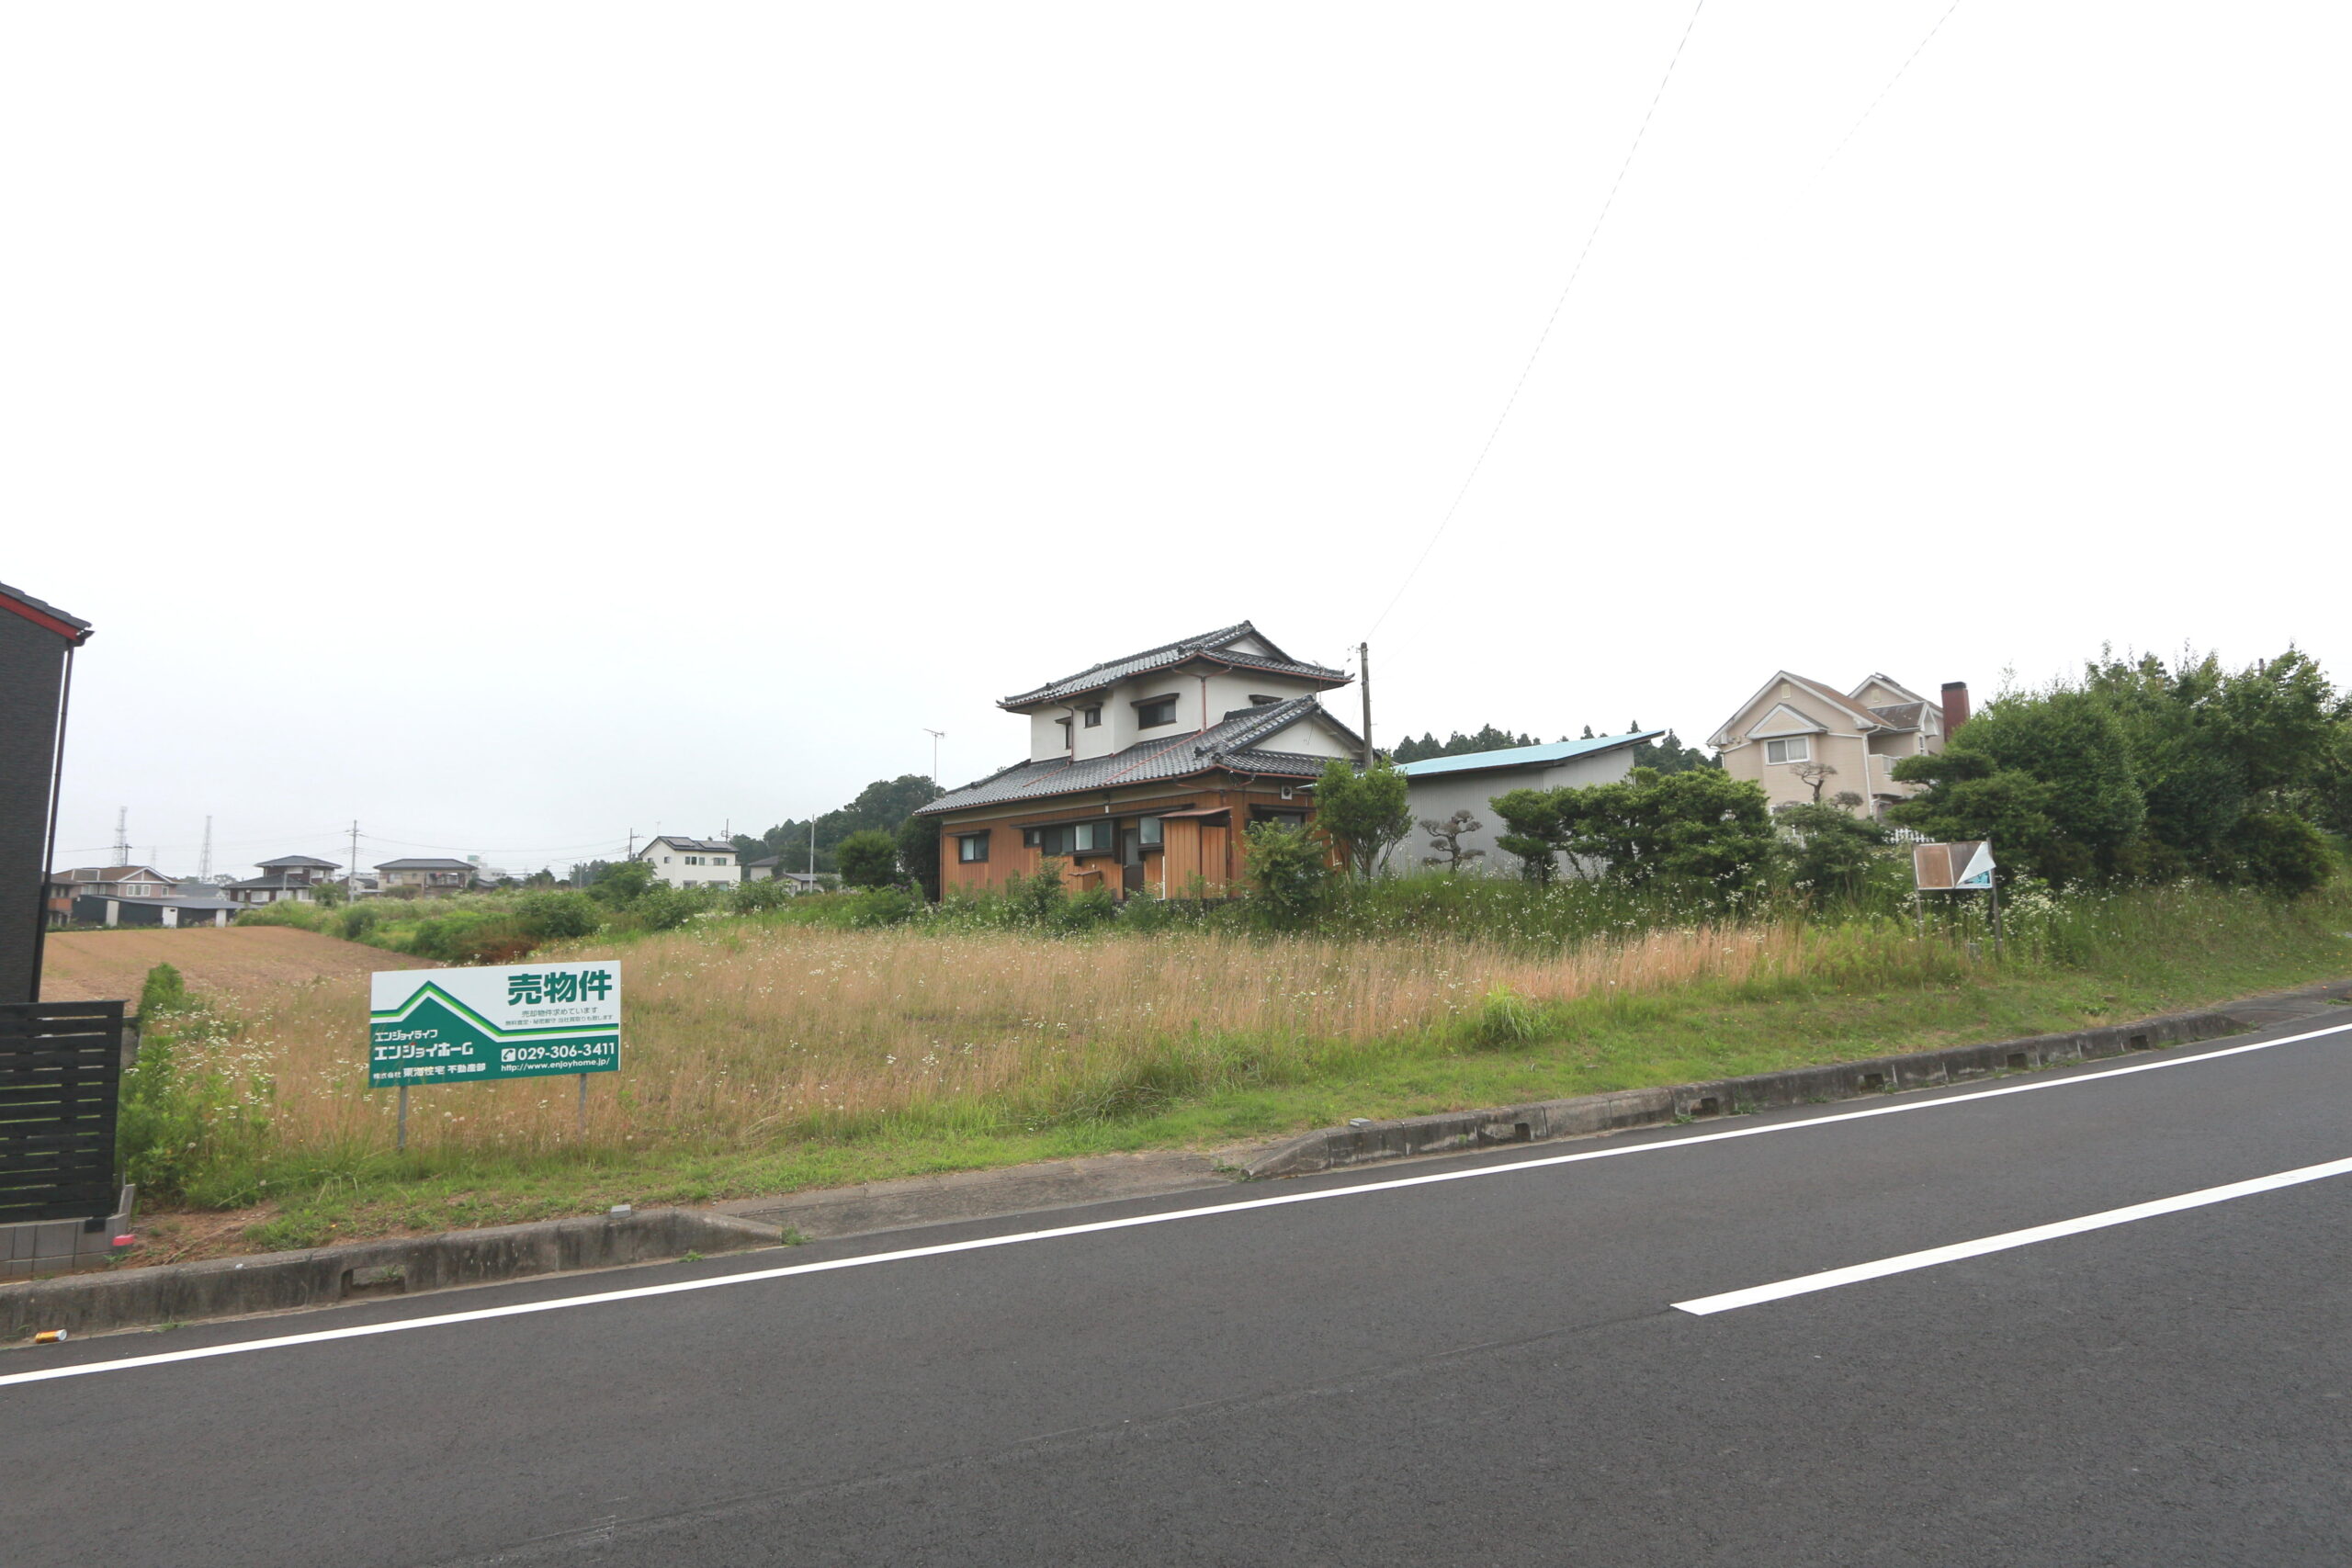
<point>351,872</point>
<point>123,836</point>
<point>204,861</point>
<point>633,843</point>
<point>936,736</point>
<point>1363,674</point>
<point>812,847</point>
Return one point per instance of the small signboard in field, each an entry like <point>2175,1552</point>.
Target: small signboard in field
<point>1952,868</point>
<point>428,1026</point>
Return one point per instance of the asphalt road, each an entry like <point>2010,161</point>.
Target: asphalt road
<point>1481,1369</point>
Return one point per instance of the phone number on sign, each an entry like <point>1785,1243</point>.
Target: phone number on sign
<point>558,1052</point>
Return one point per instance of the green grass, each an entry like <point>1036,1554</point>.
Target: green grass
<point>2128,959</point>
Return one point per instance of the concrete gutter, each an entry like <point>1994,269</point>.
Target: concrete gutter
<point>1329,1148</point>
<point>279,1282</point>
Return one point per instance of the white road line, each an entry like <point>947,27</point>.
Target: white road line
<point>1245,1205</point>
<point>1830,1279</point>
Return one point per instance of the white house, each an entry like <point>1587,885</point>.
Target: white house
<point>692,863</point>
<point>1437,787</point>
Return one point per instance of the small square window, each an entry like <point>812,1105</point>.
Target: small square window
<point>1158,711</point>
<point>1794,749</point>
<point>971,849</point>
<point>1093,716</point>
<point>1147,831</point>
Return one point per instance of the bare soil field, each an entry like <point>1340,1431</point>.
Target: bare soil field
<point>231,963</point>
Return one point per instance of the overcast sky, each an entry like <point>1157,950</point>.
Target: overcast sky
<point>512,425</point>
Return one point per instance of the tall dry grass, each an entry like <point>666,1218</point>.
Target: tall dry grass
<point>752,1033</point>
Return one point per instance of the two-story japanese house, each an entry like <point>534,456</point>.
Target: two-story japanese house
<point>1144,772</point>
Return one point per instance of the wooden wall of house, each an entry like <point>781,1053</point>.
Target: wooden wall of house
<point>1212,851</point>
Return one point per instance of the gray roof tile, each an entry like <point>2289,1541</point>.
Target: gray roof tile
<point>1097,676</point>
<point>1231,744</point>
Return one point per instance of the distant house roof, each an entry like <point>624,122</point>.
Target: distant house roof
<point>49,618</point>
<point>292,862</point>
<point>764,860</point>
<point>1524,756</point>
<point>697,846</point>
<point>109,873</point>
<point>1231,744</point>
<point>425,862</point>
<point>1214,647</point>
<point>162,903</point>
<point>1901,716</point>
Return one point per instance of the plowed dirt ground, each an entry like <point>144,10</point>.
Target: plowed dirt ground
<point>229,963</point>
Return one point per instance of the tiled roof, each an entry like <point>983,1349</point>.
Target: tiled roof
<point>1229,743</point>
<point>1524,756</point>
<point>425,862</point>
<point>297,861</point>
<point>1212,644</point>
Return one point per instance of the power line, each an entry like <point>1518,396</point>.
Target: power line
<point>1545,336</point>
<point>1891,81</point>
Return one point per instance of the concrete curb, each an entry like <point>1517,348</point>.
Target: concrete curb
<point>278,1281</point>
<point>1329,1148</point>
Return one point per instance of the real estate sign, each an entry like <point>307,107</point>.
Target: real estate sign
<point>458,1025</point>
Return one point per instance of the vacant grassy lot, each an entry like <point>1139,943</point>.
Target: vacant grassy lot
<point>764,1056</point>
<point>238,965</point>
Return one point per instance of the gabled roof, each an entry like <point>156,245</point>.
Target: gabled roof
<point>1525,756</point>
<point>49,618</point>
<point>90,873</point>
<point>1230,745</point>
<point>425,862</point>
<point>1216,647</point>
<point>696,846</point>
<point>295,863</point>
<point>1843,706</point>
<point>1879,677</point>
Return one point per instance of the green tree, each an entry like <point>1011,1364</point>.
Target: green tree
<point>1288,868</point>
<point>623,883</point>
<point>1700,830</point>
<point>869,858</point>
<point>1670,755</point>
<point>1363,811</point>
<point>919,852</point>
<point>2047,777</point>
<point>1832,850</point>
<point>1536,830</point>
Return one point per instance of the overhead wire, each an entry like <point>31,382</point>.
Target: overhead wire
<point>1864,116</point>
<point>1543,336</point>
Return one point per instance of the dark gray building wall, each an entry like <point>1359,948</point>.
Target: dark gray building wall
<point>32,672</point>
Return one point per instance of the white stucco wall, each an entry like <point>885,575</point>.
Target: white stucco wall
<point>669,863</point>
<point>1440,796</point>
<point>1201,701</point>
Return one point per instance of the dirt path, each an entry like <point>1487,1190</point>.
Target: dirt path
<point>230,963</point>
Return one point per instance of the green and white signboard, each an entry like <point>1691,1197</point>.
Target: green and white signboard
<point>428,1026</point>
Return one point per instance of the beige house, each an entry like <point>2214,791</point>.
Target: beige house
<point>1803,741</point>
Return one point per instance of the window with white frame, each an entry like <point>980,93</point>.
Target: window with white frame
<point>1793,749</point>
